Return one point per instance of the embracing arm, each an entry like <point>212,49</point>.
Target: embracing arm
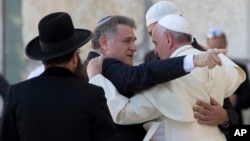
<point>129,79</point>
<point>214,114</point>
<point>136,78</point>
<point>122,108</point>
<point>143,106</point>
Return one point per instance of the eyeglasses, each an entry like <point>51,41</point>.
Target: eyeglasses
<point>103,20</point>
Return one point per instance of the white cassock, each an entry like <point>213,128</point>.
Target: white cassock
<point>167,108</point>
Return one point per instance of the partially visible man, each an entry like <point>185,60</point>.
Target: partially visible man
<point>216,38</point>
<point>57,105</point>
<point>114,38</point>
<point>158,11</point>
<point>4,88</point>
<point>169,122</point>
<point>224,115</point>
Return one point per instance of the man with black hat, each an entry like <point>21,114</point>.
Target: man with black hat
<point>57,105</point>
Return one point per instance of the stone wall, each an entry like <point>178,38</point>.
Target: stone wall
<point>85,14</point>
<point>230,15</point>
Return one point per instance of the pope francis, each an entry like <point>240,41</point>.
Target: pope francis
<point>166,109</point>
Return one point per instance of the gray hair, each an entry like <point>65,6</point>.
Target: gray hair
<point>108,27</point>
<point>178,36</point>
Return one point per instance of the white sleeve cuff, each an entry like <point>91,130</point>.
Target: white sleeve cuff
<point>188,63</point>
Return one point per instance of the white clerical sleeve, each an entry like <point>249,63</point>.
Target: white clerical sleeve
<point>135,110</point>
<point>235,75</point>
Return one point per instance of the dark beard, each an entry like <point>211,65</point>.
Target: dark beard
<point>79,71</point>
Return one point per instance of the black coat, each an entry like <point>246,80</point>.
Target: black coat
<point>129,79</point>
<point>243,94</point>
<point>56,106</point>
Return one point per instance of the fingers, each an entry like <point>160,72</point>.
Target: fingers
<point>209,59</point>
<point>213,58</point>
<point>218,51</point>
<point>206,122</point>
<point>199,111</point>
<point>97,61</point>
<point>214,102</point>
<point>210,113</point>
<point>100,58</point>
<point>203,116</point>
<point>213,62</point>
<point>204,105</point>
<point>95,66</point>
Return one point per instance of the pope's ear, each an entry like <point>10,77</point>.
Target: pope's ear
<point>169,38</point>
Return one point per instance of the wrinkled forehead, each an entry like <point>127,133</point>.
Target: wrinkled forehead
<point>125,31</point>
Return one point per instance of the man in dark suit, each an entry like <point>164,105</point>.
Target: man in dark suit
<point>57,105</point>
<point>114,38</point>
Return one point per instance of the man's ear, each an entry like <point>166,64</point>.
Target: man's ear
<point>169,38</point>
<point>75,59</point>
<point>103,43</point>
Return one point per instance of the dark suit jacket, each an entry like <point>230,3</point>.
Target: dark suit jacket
<point>57,106</point>
<point>129,79</point>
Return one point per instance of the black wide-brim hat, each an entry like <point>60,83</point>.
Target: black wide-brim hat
<point>57,37</point>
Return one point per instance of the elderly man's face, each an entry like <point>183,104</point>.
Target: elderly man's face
<point>122,46</point>
<point>161,42</point>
